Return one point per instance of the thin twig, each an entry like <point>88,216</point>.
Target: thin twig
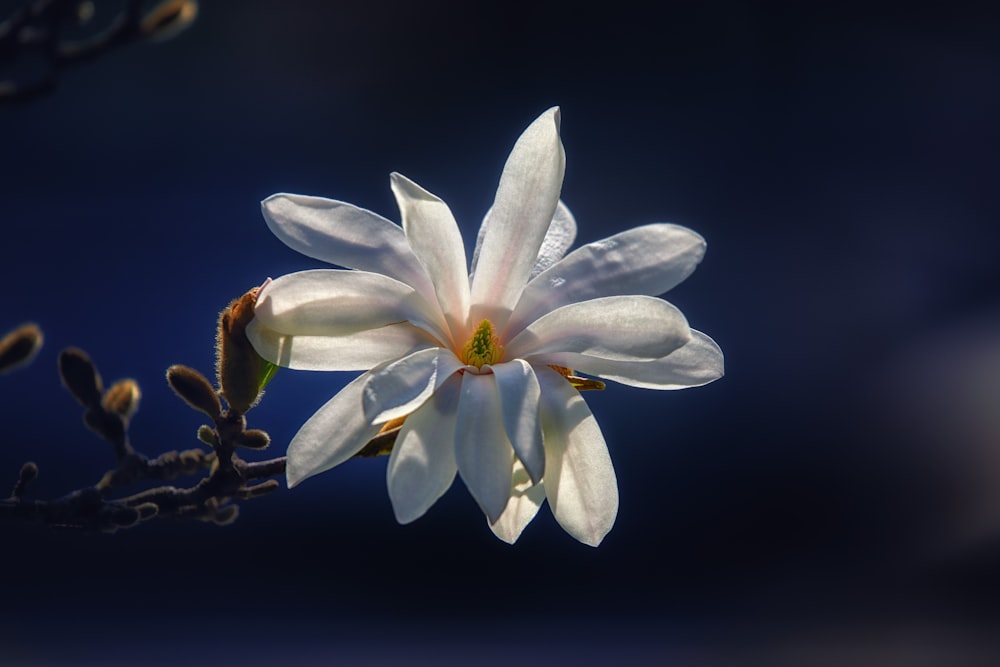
<point>37,27</point>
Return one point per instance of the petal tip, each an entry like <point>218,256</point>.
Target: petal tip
<point>292,477</point>
<point>404,518</point>
<point>267,203</point>
<point>503,537</point>
<point>556,114</point>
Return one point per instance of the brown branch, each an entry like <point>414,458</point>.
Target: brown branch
<point>37,27</point>
<point>108,413</point>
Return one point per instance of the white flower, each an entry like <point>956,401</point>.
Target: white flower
<point>477,366</point>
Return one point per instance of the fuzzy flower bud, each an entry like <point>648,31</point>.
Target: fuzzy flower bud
<point>242,373</point>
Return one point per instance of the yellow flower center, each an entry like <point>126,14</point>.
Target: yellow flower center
<point>483,348</point>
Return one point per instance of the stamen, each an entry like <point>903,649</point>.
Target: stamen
<point>483,348</point>
<point>579,383</point>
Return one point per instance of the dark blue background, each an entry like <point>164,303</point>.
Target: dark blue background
<point>836,497</point>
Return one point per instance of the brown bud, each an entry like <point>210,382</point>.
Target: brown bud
<point>253,439</point>
<point>122,398</point>
<point>80,376</point>
<point>207,435</point>
<point>194,389</point>
<point>20,346</point>
<point>242,373</point>
<point>169,18</point>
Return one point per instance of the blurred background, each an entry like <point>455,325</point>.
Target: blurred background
<point>835,499</point>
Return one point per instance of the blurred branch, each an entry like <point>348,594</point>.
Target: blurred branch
<point>37,30</point>
<point>107,412</point>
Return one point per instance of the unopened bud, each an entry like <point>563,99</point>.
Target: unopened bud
<point>194,389</point>
<point>20,346</point>
<point>253,439</point>
<point>80,376</point>
<point>242,373</point>
<point>169,18</point>
<point>207,435</point>
<point>122,398</point>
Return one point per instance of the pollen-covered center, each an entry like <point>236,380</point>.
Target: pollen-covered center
<point>483,348</point>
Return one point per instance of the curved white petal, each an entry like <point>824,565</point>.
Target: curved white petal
<point>519,392</point>
<point>351,352</point>
<point>404,385</point>
<point>558,239</point>
<point>645,260</point>
<point>524,205</point>
<point>422,464</point>
<point>626,328</point>
<point>694,364</point>
<point>580,482</point>
<point>330,302</point>
<point>335,433</point>
<point>436,241</point>
<point>526,498</point>
<point>345,235</point>
<point>483,453</point>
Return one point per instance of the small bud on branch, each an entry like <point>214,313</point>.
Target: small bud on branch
<point>194,389</point>
<point>19,347</point>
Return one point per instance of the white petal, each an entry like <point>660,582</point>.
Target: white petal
<point>580,482</point>
<point>525,499</point>
<point>519,392</point>
<point>696,363</point>
<point>558,239</point>
<point>345,235</point>
<point>482,451</point>
<point>525,203</point>
<point>328,302</point>
<point>335,433</point>
<point>404,385</point>
<point>422,464</point>
<point>626,328</point>
<point>645,260</point>
<point>437,242</point>
<point>352,352</point>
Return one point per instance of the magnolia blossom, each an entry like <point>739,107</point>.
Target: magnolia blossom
<point>477,365</point>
